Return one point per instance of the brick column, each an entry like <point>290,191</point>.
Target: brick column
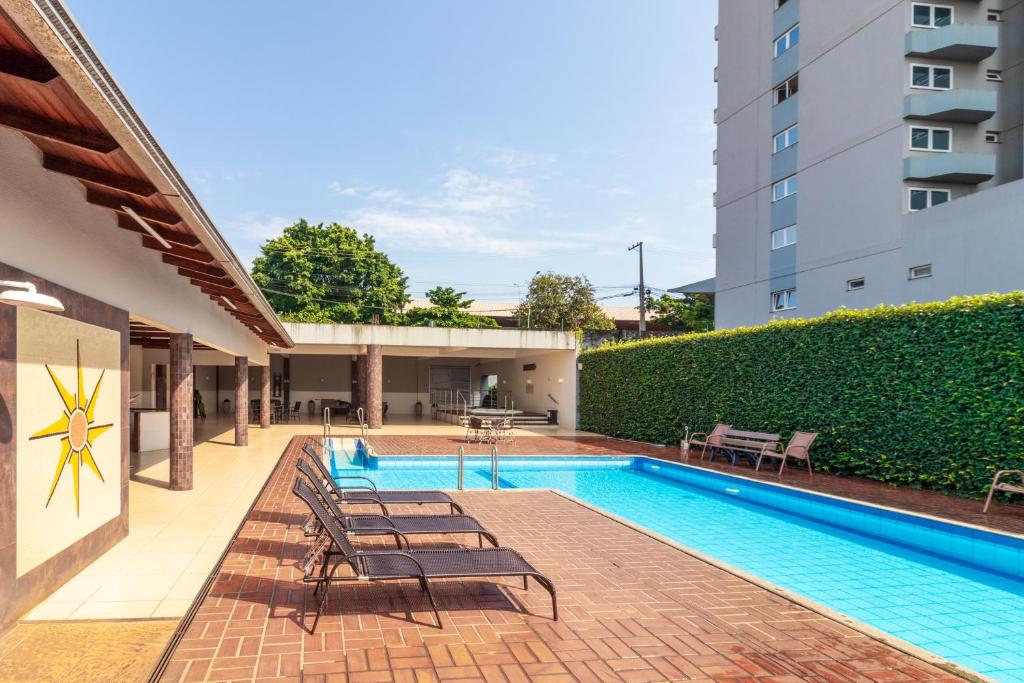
<point>265,397</point>
<point>360,398</point>
<point>181,409</point>
<point>241,401</point>
<point>374,386</point>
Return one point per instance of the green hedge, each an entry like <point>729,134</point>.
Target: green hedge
<point>925,395</point>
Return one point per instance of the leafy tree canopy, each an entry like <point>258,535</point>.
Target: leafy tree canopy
<point>687,313</point>
<point>562,301</point>
<point>448,310</point>
<point>329,274</point>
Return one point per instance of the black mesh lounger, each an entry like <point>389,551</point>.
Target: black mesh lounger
<point>367,493</point>
<point>423,565</point>
<point>399,526</point>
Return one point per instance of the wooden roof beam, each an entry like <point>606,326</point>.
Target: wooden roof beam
<point>185,239</point>
<point>175,250</point>
<point>57,131</point>
<point>26,67</point>
<point>193,266</point>
<point>204,278</point>
<point>116,203</point>
<point>98,176</point>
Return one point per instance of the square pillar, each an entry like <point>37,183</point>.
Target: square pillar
<point>241,401</point>
<point>265,397</point>
<point>181,411</point>
<point>374,386</point>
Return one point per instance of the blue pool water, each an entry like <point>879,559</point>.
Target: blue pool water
<point>952,590</point>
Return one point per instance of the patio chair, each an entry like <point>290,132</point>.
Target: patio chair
<point>475,430</point>
<point>385,565</point>
<point>501,430</point>
<point>799,447</point>
<point>998,485</point>
<point>368,494</point>
<point>712,440</point>
<point>296,410</point>
<point>398,526</point>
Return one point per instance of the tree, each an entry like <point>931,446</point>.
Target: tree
<point>329,274</point>
<point>687,313</point>
<point>561,302</point>
<point>448,310</point>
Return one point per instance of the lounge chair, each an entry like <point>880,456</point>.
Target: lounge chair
<point>383,565</point>
<point>367,493</point>
<point>799,447</point>
<point>398,526</point>
<point>712,440</point>
<point>998,485</point>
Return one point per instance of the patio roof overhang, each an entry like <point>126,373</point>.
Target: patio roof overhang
<point>56,91</point>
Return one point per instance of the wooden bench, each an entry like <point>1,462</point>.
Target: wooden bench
<point>751,445</point>
<point>1007,487</point>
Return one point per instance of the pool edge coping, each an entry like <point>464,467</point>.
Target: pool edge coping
<point>805,602</point>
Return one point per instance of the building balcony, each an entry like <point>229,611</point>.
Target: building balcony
<point>960,106</point>
<point>950,168</point>
<point>960,42</point>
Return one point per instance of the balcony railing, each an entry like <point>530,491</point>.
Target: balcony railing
<point>950,168</point>
<point>961,106</point>
<point>959,42</point>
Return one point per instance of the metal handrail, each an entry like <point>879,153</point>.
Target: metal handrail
<point>465,404</point>
<point>327,428</point>
<point>462,465</point>
<point>494,467</point>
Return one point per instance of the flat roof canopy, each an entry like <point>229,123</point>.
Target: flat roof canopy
<point>426,341</point>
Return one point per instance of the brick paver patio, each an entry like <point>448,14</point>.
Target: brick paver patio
<point>632,609</point>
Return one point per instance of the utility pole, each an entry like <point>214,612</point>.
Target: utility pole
<point>639,246</point>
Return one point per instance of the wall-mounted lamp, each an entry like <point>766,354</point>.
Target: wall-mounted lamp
<point>25,294</point>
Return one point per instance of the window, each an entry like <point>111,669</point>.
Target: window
<point>855,284</point>
<point>786,138</point>
<point>923,198</point>
<point>784,299</point>
<point>784,237</point>
<point>931,139</point>
<point>784,91</point>
<point>784,188</point>
<point>994,75</point>
<point>918,272</point>
<point>787,40</point>
<point>995,15</point>
<point>714,157</point>
<point>991,136</point>
<point>931,16</point>
<point>780,3</point>
<point>931,77</point>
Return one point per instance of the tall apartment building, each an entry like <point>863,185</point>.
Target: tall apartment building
<point>868,152</point>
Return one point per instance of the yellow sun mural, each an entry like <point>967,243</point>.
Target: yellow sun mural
<point>75,428</point>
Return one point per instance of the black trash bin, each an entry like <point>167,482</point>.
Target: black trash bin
<point>552,417</point>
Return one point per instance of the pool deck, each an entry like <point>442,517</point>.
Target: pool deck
<point>632,608</point>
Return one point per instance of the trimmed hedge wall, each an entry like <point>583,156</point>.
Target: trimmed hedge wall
<point>925,395</point>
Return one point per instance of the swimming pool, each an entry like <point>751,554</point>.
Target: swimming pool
<point>954,590</point>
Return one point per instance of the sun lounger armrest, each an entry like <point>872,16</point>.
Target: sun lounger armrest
<point>371,487</point>
<point>693,437</point>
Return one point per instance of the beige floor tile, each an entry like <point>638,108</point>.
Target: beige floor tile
<point>135,587</point>
<point>186,587</point>
<point>136,609</point>
<point>52,609</point>
<point>171,609</point>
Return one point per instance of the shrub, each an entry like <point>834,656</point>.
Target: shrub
<point>924,395</point>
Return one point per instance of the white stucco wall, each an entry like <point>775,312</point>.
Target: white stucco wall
<point>554,383</point>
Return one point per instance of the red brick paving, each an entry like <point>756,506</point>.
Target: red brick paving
<point>631,607</point>
<point>1000,516</point>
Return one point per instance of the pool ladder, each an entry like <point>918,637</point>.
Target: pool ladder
<point>327,429</point>
<point>494,467</point>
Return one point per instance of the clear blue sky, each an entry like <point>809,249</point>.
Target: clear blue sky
<point>478,141</point>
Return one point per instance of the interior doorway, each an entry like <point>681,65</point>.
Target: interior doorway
<point>489,391</point>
